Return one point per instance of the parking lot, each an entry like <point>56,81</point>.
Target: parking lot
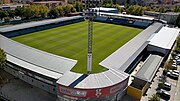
<point>153,88</point>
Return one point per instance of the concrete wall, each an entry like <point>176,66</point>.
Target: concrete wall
<point>157,50</point>
<point>134,92</point>
<point>31,78</point>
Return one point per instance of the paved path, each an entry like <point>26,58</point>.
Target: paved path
<point>177,94</point>
<point>18,90</point>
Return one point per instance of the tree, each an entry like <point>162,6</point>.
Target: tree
<point>69,8</point>
<point>43,11</point>
<point>11,13</point>
<point>3,14</point>
<point>19,11</point>
<point>78,6</point>
<point>2,61</point>
<point>178,21</point>
<point>154,97</point>
<point>53,12</point>
<point>28,13</point>
<point>177,9</point>
<point>60,10</point>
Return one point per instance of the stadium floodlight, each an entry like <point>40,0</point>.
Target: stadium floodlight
<point>90,15</point>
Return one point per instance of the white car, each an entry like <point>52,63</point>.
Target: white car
<point>175,71</point>
<point>174,66</point>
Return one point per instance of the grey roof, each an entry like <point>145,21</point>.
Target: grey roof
<point>36,57</point>
<point>165,38</point>
<point>126,54</point>
<point>129,16</point>
<point>92,81</point>
<point>37,23</point>
<point>149,68</point>
<point>33,68</point>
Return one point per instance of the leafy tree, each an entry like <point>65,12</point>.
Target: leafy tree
<point>54,13</point>
<point>69,8</point>
<point>60,10</point>
<point>177,9</point>
<point>28,12</point>
<point>43,11</point>
<point>135,10</point>
<point>11,13</point>
<point>107,2</point>
<point>2,62</point>
<point>7,19</point>
<point>130,9</point>
<point>78,6</point>
<point>2,59</point>
<point>154,97</point>
<point>178,21</point>
<point>3,14</point>
<point>19,11</point>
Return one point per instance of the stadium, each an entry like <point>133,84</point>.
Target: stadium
<point>52,54</point>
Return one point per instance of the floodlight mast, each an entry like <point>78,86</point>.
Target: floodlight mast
<point>90,16</point>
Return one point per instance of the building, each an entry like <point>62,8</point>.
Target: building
<point>159,46</point>
<point>10,7</point>
<point>105,10</point>
<point>170,17</point>
<point>50,4</point>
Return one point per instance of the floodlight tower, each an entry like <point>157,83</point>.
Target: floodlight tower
<point>90,15</point>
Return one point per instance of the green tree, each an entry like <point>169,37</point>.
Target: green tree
<point>60,10</point>
<point>69,8</point>
<point>107,2</point>
<point>130,9</point>
<point>53,13</point>
<point>178,21</point>
<point>78,6</point>
<point>177,9</point>
<point>43,11</point>
<point>154,97</point>
<point>19,11</point>
<point>2,62</point>
<point>3,14</point>
<point>2,59</point>
<point>11,13</point>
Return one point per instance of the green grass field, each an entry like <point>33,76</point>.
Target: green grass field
<point>71,41</point>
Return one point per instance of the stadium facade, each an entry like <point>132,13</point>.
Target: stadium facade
<point>52,73</point>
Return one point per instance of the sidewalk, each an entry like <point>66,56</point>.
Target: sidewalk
<point>177,95</point>
<point>18,90</point>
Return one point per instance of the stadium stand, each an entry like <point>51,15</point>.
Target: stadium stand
<point>30,27</point>
<point>101,19</point>
<point>141,24</point>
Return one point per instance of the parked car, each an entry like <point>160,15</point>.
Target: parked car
<point>175,71</point>
<point>178,62</point>
<point>167,86</point>
<point>163,94</point>
<point>177,57</point>
<point>174,63</point>
<point>174,66</point>
<point>173,75</point>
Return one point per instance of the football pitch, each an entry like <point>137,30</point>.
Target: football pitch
<point>71,41</point>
